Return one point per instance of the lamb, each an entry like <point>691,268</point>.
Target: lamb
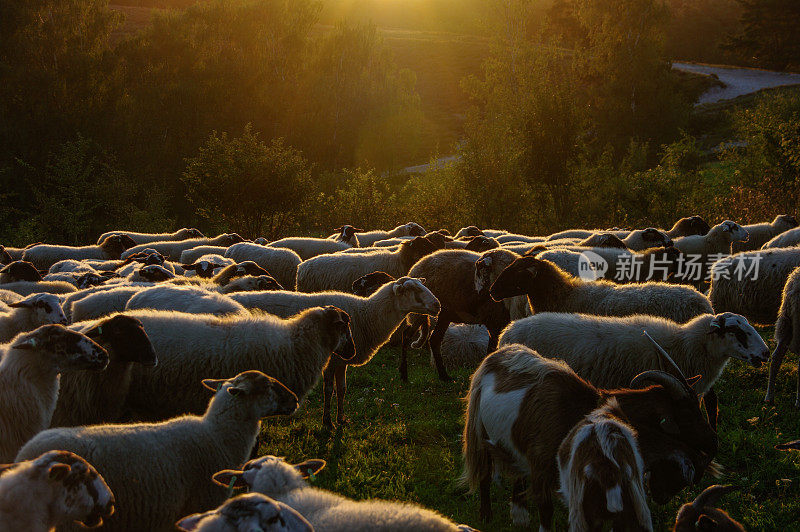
<point>28,314</point>
<point>550,289</point>
<point>701,514</point>
<point>751,283</point>
<point>189,299</point>
<point>373,320</point>
<point>29,368</point>
<point>307,248</point>
<point>177,456</point>
<point>762,233</point>
<point>337,272</point>
<point>294,350</point>
<point>281,263</point>
<point>601,473</point>
<point>787,239</point>
<point>610,351</point>
<point>192,255</point>
<point>55,489</point>
<point>172,250</point>
<point>93,398</point>
<point>19,271</point>
<point>145,238</point>
<point>366,239</point>
<point>247,513</point>
<point>325,510</point>
<point>717,242</point>
<point>26,288</point>
<point>45,255</point>
<point>521,406</point>
<point>787,334</point>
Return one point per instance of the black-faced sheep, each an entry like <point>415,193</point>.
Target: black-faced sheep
<point>19,270</point>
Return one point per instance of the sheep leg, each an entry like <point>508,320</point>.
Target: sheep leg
<point>712,407</point>
<point>485,494</point>
<point>774,367</point>
<point>328,375</point>
<point>436,344</point>
<point>519,504</point>
<point>340,373</point>
<point>545,506</point>
<point>407,336</point>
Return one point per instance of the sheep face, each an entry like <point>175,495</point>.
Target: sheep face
<point>366,285</point>
<point>438,239</point>
<point>735,337</point>
<point>5,256</point>
<point>125,338</point>
<point>488,266</point>
<point>479,244</point>
<point>271,475</point>
<point>690,225</point>
<point>90,279</point>
<point>655,238</point>
<point>414,229</point>
<point>154,273</point>
<point>784,222</point>
<point>337,323</point>
<point>413,296</point>
<point>246,513</point>
<point>734,231</point>
<point>77,491</point>
<point>115,245</point>
<point>230,239</point>
<point>472,231</point>
<point>522,276</point>
<point>262,283</point>
<point>22,271</point>
<point>264,395</point>
<point>46,307</point>
<point>204,269</point>
<point>261,241</point>
<point>66,350</point>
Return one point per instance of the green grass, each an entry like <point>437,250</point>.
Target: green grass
<point>404,443</point>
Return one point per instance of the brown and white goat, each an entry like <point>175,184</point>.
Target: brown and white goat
<point>521,406</point>
<point>702,515</point>
<point>602,473</point>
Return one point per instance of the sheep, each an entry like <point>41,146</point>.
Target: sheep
<point>787,334</point>
<point>469,231</point>
<point>550,289</point>
<point>325,510</point>
<point>26,288</point>
<point>521,406</point>
<point>70,266</point>
<point>609,351</point>
<point>281,263</point>
<point>54,489</point>
<point>438,238</point>
<point>28,314</point>
<point>172,249</point>
<point>603,240</point>
<point>337,272</point>
<point>762,233</point>
<point>191,255</point>
<point>295,351</point>
<point>29,368</point>
<point>45,255</point>
<point>601,473</point>
<point>450,276</point>
<point>17,253</point>
<point>190,299</point>
<point>348,234</point>
<point>247,513</point>
<point>102,303</point>
<point>717,242</point>
<point>207,266</point>
<point>787,239</point>
<point>702,515</point>
<point>241,269</point>
<point>366,239</point>
<point>487,268</point>
<point>145,238</point>
<point>689,225</point>
<point>373,321</point>
<point>5,256</point>
<point>646,238</point>
<point>150,273</point>
<point>617,265</point>
<point>751,283</point>
<point>90,398</point>
<point>307,248</point>
<point>174,459</point>
<point>19,271</point>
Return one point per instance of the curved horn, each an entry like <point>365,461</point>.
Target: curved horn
<point>676,388</point>
<point>664,357</point>
<point>712,494</point>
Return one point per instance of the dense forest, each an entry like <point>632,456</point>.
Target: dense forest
<point>267,117</point>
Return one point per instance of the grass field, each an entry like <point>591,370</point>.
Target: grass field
<point>404,443</point>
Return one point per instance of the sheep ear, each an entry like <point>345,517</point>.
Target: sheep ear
<point>190,522</point>
<point>27,345</point>
<point>58,472</point>
<point>234,391</point>
<point>310,467</point>
<point>213,384</point>
<point>226,476</point>
<point>422,280</point>
<point>693,380</point>
<point>21,304</point>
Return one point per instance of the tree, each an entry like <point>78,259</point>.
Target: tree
<point>770,33</point>
<point>244,185</point>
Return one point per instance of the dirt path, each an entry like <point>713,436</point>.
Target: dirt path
<point>738,81</point>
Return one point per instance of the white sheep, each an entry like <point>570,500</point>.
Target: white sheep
<point>29,368</point>
<point>310,247</point>
<point>787,334</point>
<point>247,513</point>
<point>609,351</point>
<point>192,255</point>
<point>101,303</point>
<point>26,288</point>
<point>368,238</point>
<point>190,299</point>
<point>159,472</point>
<point>325,510</point>
<point>190,346</point>
<point>337,272</point>
<point>464,345</point>
<point>762,233</point>
<point>54,489</point>
<point>373,320</point>
<point>71,265</point>
<point>280,263</point>
<point>787,239</point>
<point>144,238</point>
<point>717,241</point>
<point>172,249</point>
<point>28,314</point>
<point>45,255</point>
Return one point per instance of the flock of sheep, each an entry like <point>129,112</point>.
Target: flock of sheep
<point>171,348</point>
